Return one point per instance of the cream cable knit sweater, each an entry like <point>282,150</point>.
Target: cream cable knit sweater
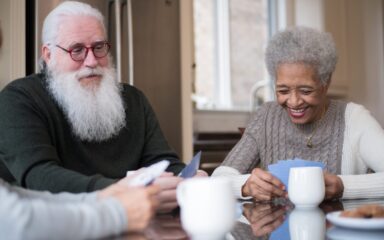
<point>362,149</point>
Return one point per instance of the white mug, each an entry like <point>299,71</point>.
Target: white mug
<point>306,186</point>
<point>207,207</point>
<point>307,224</point>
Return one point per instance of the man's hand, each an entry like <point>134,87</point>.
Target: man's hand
<point>201,173</point>
<point>167,195</point>
<point>264,218</point>
<point>334,186</point>
<point>168,183</point>
<point>263,186</point>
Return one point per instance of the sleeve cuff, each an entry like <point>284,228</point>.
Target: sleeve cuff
<point>237,179</point>
<point>238,183</point>
<point>363,186</point>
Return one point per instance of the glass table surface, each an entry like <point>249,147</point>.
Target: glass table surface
<point>277,220</point>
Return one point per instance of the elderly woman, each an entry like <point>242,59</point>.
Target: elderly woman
<point>305,123</point>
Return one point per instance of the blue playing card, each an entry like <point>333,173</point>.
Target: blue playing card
<point>281,172</point>
<point>191,169</point>
<point>282,167</point>
<point>281,232</point>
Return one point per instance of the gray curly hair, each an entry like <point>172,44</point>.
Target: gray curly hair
<point>302,45</point>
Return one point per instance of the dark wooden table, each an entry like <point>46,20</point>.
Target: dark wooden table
<point>268,220</point>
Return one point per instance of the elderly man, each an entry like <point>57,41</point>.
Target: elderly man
<point>28,214</point>
<point>73,127</point>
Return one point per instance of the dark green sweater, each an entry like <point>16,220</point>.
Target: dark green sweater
<point>39,149</point>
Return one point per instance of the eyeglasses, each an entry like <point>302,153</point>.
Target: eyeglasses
<point>79,52</point>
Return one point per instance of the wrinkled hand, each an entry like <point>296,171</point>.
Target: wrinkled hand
<point>167,195</point>
<point>334,186</point>
<point>139,203</point>
<point>331,206</point>
<point>201,173</point>
<point>121,186</point>
<point>264,218</point>
<point>262,186</point>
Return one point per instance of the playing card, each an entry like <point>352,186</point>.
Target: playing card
<point>191,169</point>
<point>282,167</point>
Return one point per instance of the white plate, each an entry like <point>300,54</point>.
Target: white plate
<point>336,233</point>
<point>358,223</point>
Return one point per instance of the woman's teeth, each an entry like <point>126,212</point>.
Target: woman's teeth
<point>297,112</point>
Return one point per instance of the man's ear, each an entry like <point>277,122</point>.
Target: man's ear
<point>46,53</point>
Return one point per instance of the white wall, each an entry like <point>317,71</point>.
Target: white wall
<point>219,121</point>
<point>368,89</point>
<point>5,51</point>
<point>187,75</point>
<point>12,54</point>
<point>357,27</point>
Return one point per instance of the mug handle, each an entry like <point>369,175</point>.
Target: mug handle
<point>180,194</point>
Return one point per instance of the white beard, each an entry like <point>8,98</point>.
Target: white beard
<point>95,113</point>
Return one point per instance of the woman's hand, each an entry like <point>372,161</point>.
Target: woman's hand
<point>334,186</point>
<point>263,186</point>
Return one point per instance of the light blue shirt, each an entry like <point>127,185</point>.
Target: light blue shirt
<point>26,214</point>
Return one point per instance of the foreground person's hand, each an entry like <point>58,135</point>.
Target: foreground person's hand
<point>264,218</point>
<point>334,186</point>
<point>167,195</point>
<point>140,205</point>
<point>120,186</point>
<point>263,186</point>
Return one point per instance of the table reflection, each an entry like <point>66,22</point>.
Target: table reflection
<point>351,234</point>
<point>162,227</point>
<point>280,220</point>
<point>307,224</point>
<point>264,218</point>
<point>277,220</point>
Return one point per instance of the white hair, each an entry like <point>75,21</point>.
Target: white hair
<point>56,17</point>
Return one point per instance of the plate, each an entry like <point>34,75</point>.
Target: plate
<point>336,233</point>
<point>357,223</point>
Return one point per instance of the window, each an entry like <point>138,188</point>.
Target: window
<point>230,38</point>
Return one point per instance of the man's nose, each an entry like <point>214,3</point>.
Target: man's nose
<point>90,60</point>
